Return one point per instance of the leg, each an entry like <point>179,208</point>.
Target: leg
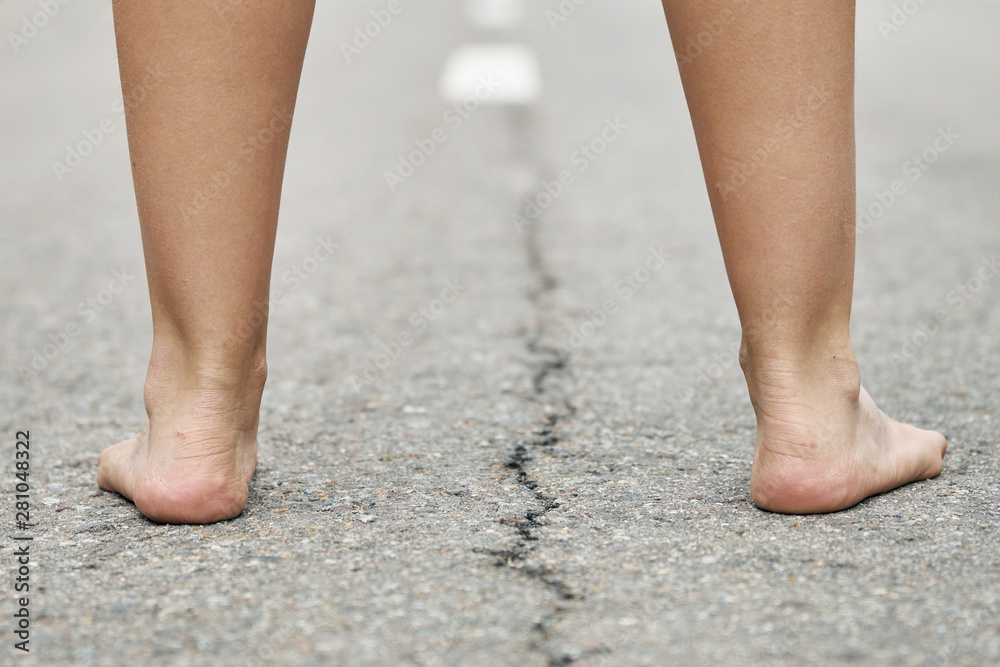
<point>208,140</point>
<point>772,102</point>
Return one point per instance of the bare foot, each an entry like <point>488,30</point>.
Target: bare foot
<point>194,458</point>
<point>822,443</point>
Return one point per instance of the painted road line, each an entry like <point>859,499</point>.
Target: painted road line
<point>512,69</point>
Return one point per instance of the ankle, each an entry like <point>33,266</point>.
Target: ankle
<point>209,384</point>
<point>829,368</point>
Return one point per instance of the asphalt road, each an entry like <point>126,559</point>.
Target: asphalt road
<point>513,485</point>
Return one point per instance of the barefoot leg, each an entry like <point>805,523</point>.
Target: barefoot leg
<point>772,102</point>
<point>209,90</point>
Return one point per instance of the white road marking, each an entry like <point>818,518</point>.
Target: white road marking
<point>511,68</point>
<point>494,14</point>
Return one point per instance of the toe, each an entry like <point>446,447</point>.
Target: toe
<point>927,450</point>
<point>938,446</point>
<point>111,468</point>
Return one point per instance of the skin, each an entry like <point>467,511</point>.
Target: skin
<point>222,103</point>
<point>772,103</point>
<point>771,96</point>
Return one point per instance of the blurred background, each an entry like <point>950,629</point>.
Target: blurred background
<point>589,88</point>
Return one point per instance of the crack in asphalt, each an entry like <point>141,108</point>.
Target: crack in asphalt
<point>549,363</point>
